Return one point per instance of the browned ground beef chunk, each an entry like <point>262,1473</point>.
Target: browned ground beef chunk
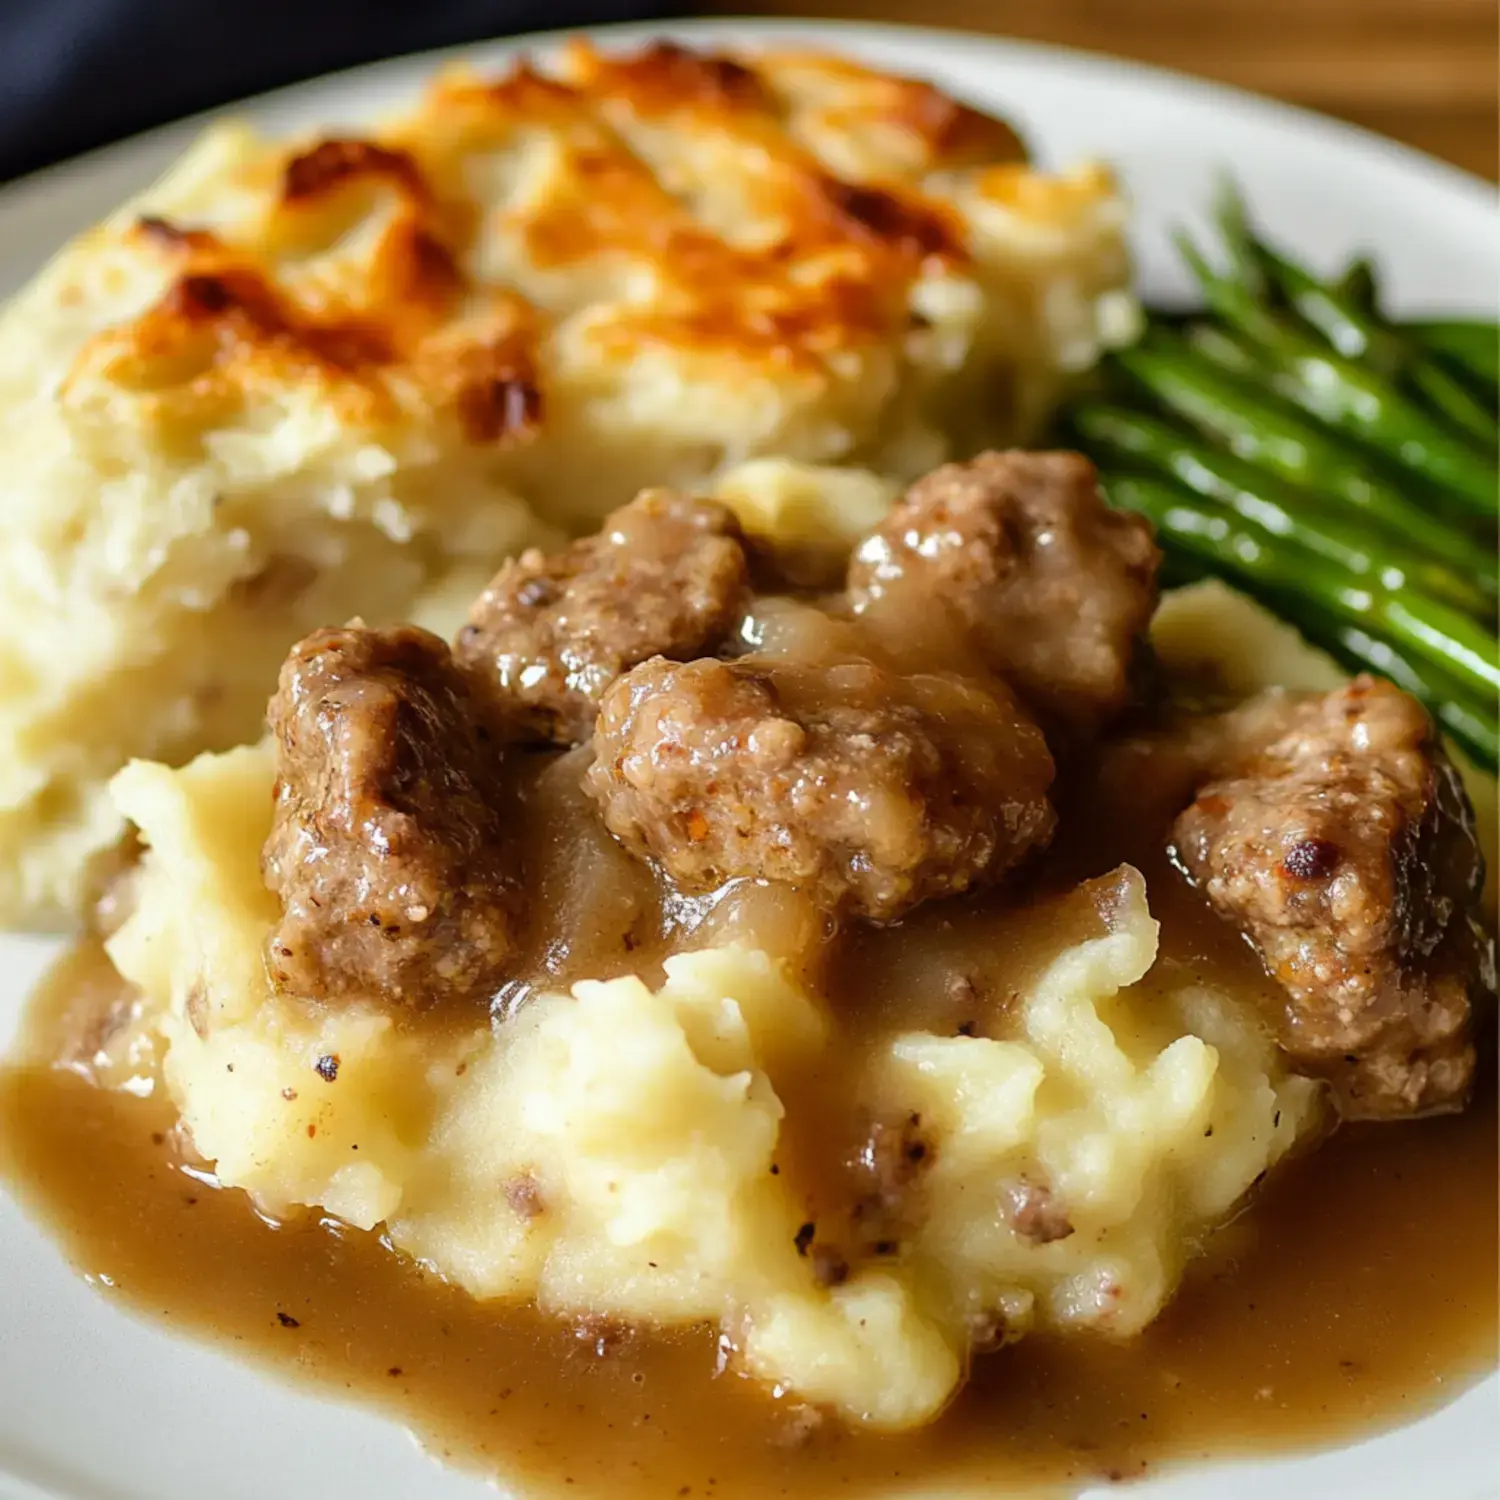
<point>1346,851</point>
<point>1034,1212</point>
<point>894,1155</point>
<point>874,791</point>
<point>1054,589</point>
<point>664,576</point>
<point>386,850</point>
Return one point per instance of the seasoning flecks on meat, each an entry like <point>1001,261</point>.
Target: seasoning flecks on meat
<point>1053,588</point>
<point>1345,850</point>
<point>386,849</point>
<point>665,576</point>
<point>871,790</point>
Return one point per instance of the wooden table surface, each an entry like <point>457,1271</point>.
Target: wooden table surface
<point>1421,71</point>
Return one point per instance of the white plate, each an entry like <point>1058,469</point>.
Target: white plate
<point>96,1406</point>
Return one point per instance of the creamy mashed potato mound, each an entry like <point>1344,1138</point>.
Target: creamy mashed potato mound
<point>295,381</point>
<point>609,1152</point>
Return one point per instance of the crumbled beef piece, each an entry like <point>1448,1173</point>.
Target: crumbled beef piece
<point>524,1196</point>
<point>1053,588</point>
<point>386,849</point>
<point>990,1330</point>
<point>830,1265</point>
<point>886,1173</point>
<point>1034,1213</point>
<point>1345,850</point>
<point>894,1154</point>
<point>664,576</point>
<point>872,791</point>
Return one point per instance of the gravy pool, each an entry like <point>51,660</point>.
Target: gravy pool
<point>1357,1292</point>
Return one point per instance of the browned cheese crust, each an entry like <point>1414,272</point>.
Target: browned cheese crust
<point>1052,587</point>
<point>1345,850</point>
<point>872,790</point>
<point>228,328</point>
<point>664,576</point>
<point>387,847</point>
<point>424,323</point>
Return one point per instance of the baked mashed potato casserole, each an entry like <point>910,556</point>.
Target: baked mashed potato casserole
<point>677,949</point>
<point>295,381</point>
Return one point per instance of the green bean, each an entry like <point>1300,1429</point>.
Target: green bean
<point>1355,331</point>
<point>1335,464</point>
<point>1111,432</point>
<point>1471,343</point>
<point>1234,414</point>
<point>1348,397</point>
<point>1359,285</point>
<point>1230,350</point>
<point>1356,334</point>
<point>1346,313</point>
<point>1350,329</point>
<point>1440,635</point>
<point>1447,394</point>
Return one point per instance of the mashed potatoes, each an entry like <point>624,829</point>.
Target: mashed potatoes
<point>294,383</point>
<point>611,1152</point>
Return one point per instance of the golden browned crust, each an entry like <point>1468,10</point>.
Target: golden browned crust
<point>826,218</point>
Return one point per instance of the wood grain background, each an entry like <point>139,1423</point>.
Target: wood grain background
<point>1422,71</point>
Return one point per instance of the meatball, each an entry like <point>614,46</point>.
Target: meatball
<point>1345,850</point>
<point>664,576</point>
<point>386,848</point>
<point>1053,589</point>
<point>871,790</point>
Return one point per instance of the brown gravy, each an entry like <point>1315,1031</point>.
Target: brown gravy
<point>1358,1291</point>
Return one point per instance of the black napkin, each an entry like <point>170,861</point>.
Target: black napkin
<point>80,73</point>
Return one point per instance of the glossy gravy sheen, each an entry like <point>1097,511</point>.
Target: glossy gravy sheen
<point>1358,1290</point>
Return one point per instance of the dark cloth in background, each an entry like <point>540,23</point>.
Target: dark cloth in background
<point>81,73</point>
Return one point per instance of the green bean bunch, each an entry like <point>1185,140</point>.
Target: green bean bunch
<point>1336,464</point>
